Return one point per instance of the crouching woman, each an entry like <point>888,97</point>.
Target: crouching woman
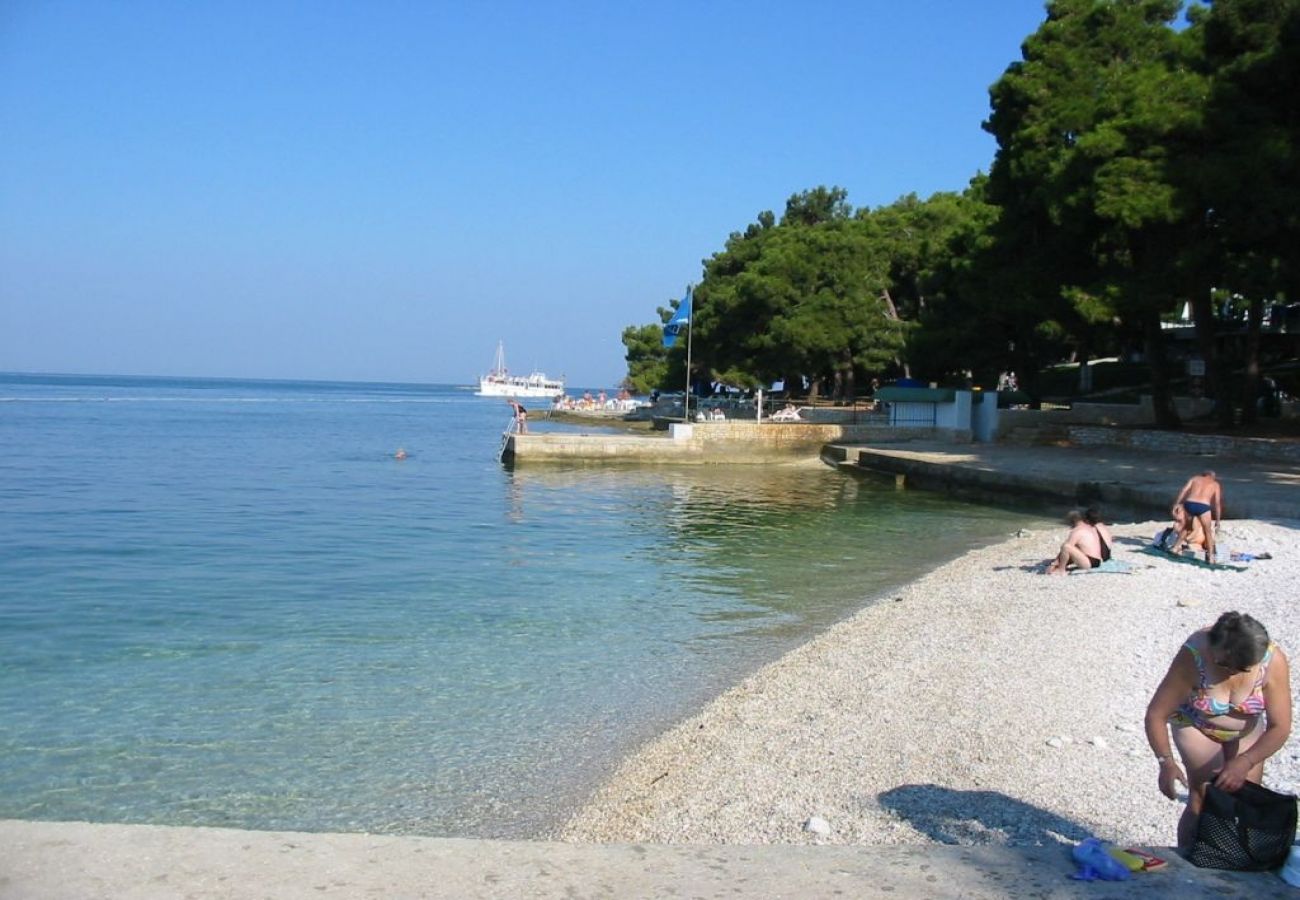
<point>1227,702</point>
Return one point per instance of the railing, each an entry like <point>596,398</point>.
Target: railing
<point>914,415</point>
<point>512,428</point>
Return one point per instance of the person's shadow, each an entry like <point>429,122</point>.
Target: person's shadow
<point>1133,542</point>
<point>949,816</point>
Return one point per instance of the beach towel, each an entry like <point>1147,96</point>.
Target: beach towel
<point>1108,565</point>
<point>1191,560</point>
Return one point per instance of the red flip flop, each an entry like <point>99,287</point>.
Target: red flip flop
<point>1149,863</point>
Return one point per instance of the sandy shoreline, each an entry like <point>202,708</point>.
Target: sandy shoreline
<point>927,718</point>
<point>919,721</point>
<point>978,704</point>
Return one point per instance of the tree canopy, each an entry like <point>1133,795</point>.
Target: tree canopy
<point>1147,156</point>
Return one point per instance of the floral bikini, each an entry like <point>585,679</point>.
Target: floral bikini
<point>1200,707</point>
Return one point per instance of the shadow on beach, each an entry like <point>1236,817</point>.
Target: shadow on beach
<point>949,816</point>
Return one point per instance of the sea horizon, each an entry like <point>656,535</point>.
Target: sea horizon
<point>469,384</point>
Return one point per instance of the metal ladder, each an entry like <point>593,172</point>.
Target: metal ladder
<point>511,428</point>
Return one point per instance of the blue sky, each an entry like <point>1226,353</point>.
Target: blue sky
<point>383,190</point>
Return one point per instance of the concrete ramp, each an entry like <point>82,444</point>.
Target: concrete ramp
<point>1119,479</point>
<point>63,861</point>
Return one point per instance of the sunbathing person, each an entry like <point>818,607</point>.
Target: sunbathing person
<point>1191,535</point>
<point>1086,546</point>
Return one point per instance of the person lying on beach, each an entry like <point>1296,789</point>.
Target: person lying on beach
<point>1214,698</point>
<point>1190,532</point>
<point>1086,546</point>
<point>1202,499</point>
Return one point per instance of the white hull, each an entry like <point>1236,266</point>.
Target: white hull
<point>519,386</point>
<point>500,383</point>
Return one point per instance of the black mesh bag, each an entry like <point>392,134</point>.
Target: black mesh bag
<point>1248,831</point>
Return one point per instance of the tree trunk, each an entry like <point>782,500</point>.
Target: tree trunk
<point>1216,370</point>
<point>1250,390</point>
<point>1162,396</point>
<point>891,312</point>
<point>850,378</point>
<point>1085,373</point>
<point>1028,381</point>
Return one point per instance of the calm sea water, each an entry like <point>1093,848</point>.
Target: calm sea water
<point>225,602</point>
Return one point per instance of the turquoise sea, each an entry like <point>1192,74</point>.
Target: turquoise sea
<point>224,602</point>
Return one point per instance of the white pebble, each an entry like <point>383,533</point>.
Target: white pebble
<point>817,825</point>
<point>1055,742</point>
<point>1098,742</point>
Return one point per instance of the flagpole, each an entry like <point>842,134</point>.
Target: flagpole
<point>690,333</point>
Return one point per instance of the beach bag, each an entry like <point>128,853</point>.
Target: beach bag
<point>1246,831</point>
<point>1166,539</point>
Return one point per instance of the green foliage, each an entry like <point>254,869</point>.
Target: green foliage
<point>1139,164</point>
<point>1088,125</point>
<point>1250,173</point>
<point>647,360</point>
<point>798,299</point>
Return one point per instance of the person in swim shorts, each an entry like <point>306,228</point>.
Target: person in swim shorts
<point>1190,534</point>
<point>1202,500</point>
<point>1213,699</point>
<point>1086,546</point>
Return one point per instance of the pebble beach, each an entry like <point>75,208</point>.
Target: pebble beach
<point>981,704</point>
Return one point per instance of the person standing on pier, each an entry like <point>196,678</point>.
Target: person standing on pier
<point>521,415</point>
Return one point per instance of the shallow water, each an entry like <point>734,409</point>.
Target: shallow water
<point>225,603</point>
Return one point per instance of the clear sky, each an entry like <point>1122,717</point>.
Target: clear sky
<point>382,190</point>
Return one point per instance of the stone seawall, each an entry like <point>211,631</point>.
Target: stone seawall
<point>1183,444</point>
<point>712,443</point>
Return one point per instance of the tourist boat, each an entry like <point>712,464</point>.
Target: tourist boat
<point>500,383</point>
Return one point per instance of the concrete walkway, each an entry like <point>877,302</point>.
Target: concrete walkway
<point>1121,482</point>
<point>63,861</point>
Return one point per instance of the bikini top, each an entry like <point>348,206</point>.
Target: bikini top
<point>1251,705</point>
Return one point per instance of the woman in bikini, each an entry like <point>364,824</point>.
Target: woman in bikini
<point>1214,699</point>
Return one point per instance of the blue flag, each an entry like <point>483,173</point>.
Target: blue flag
<point>680,320</point>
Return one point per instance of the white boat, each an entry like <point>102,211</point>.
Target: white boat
<point>500,383</point>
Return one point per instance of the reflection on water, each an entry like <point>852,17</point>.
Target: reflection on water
<point>794,547</point>
<point>293,631</point>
